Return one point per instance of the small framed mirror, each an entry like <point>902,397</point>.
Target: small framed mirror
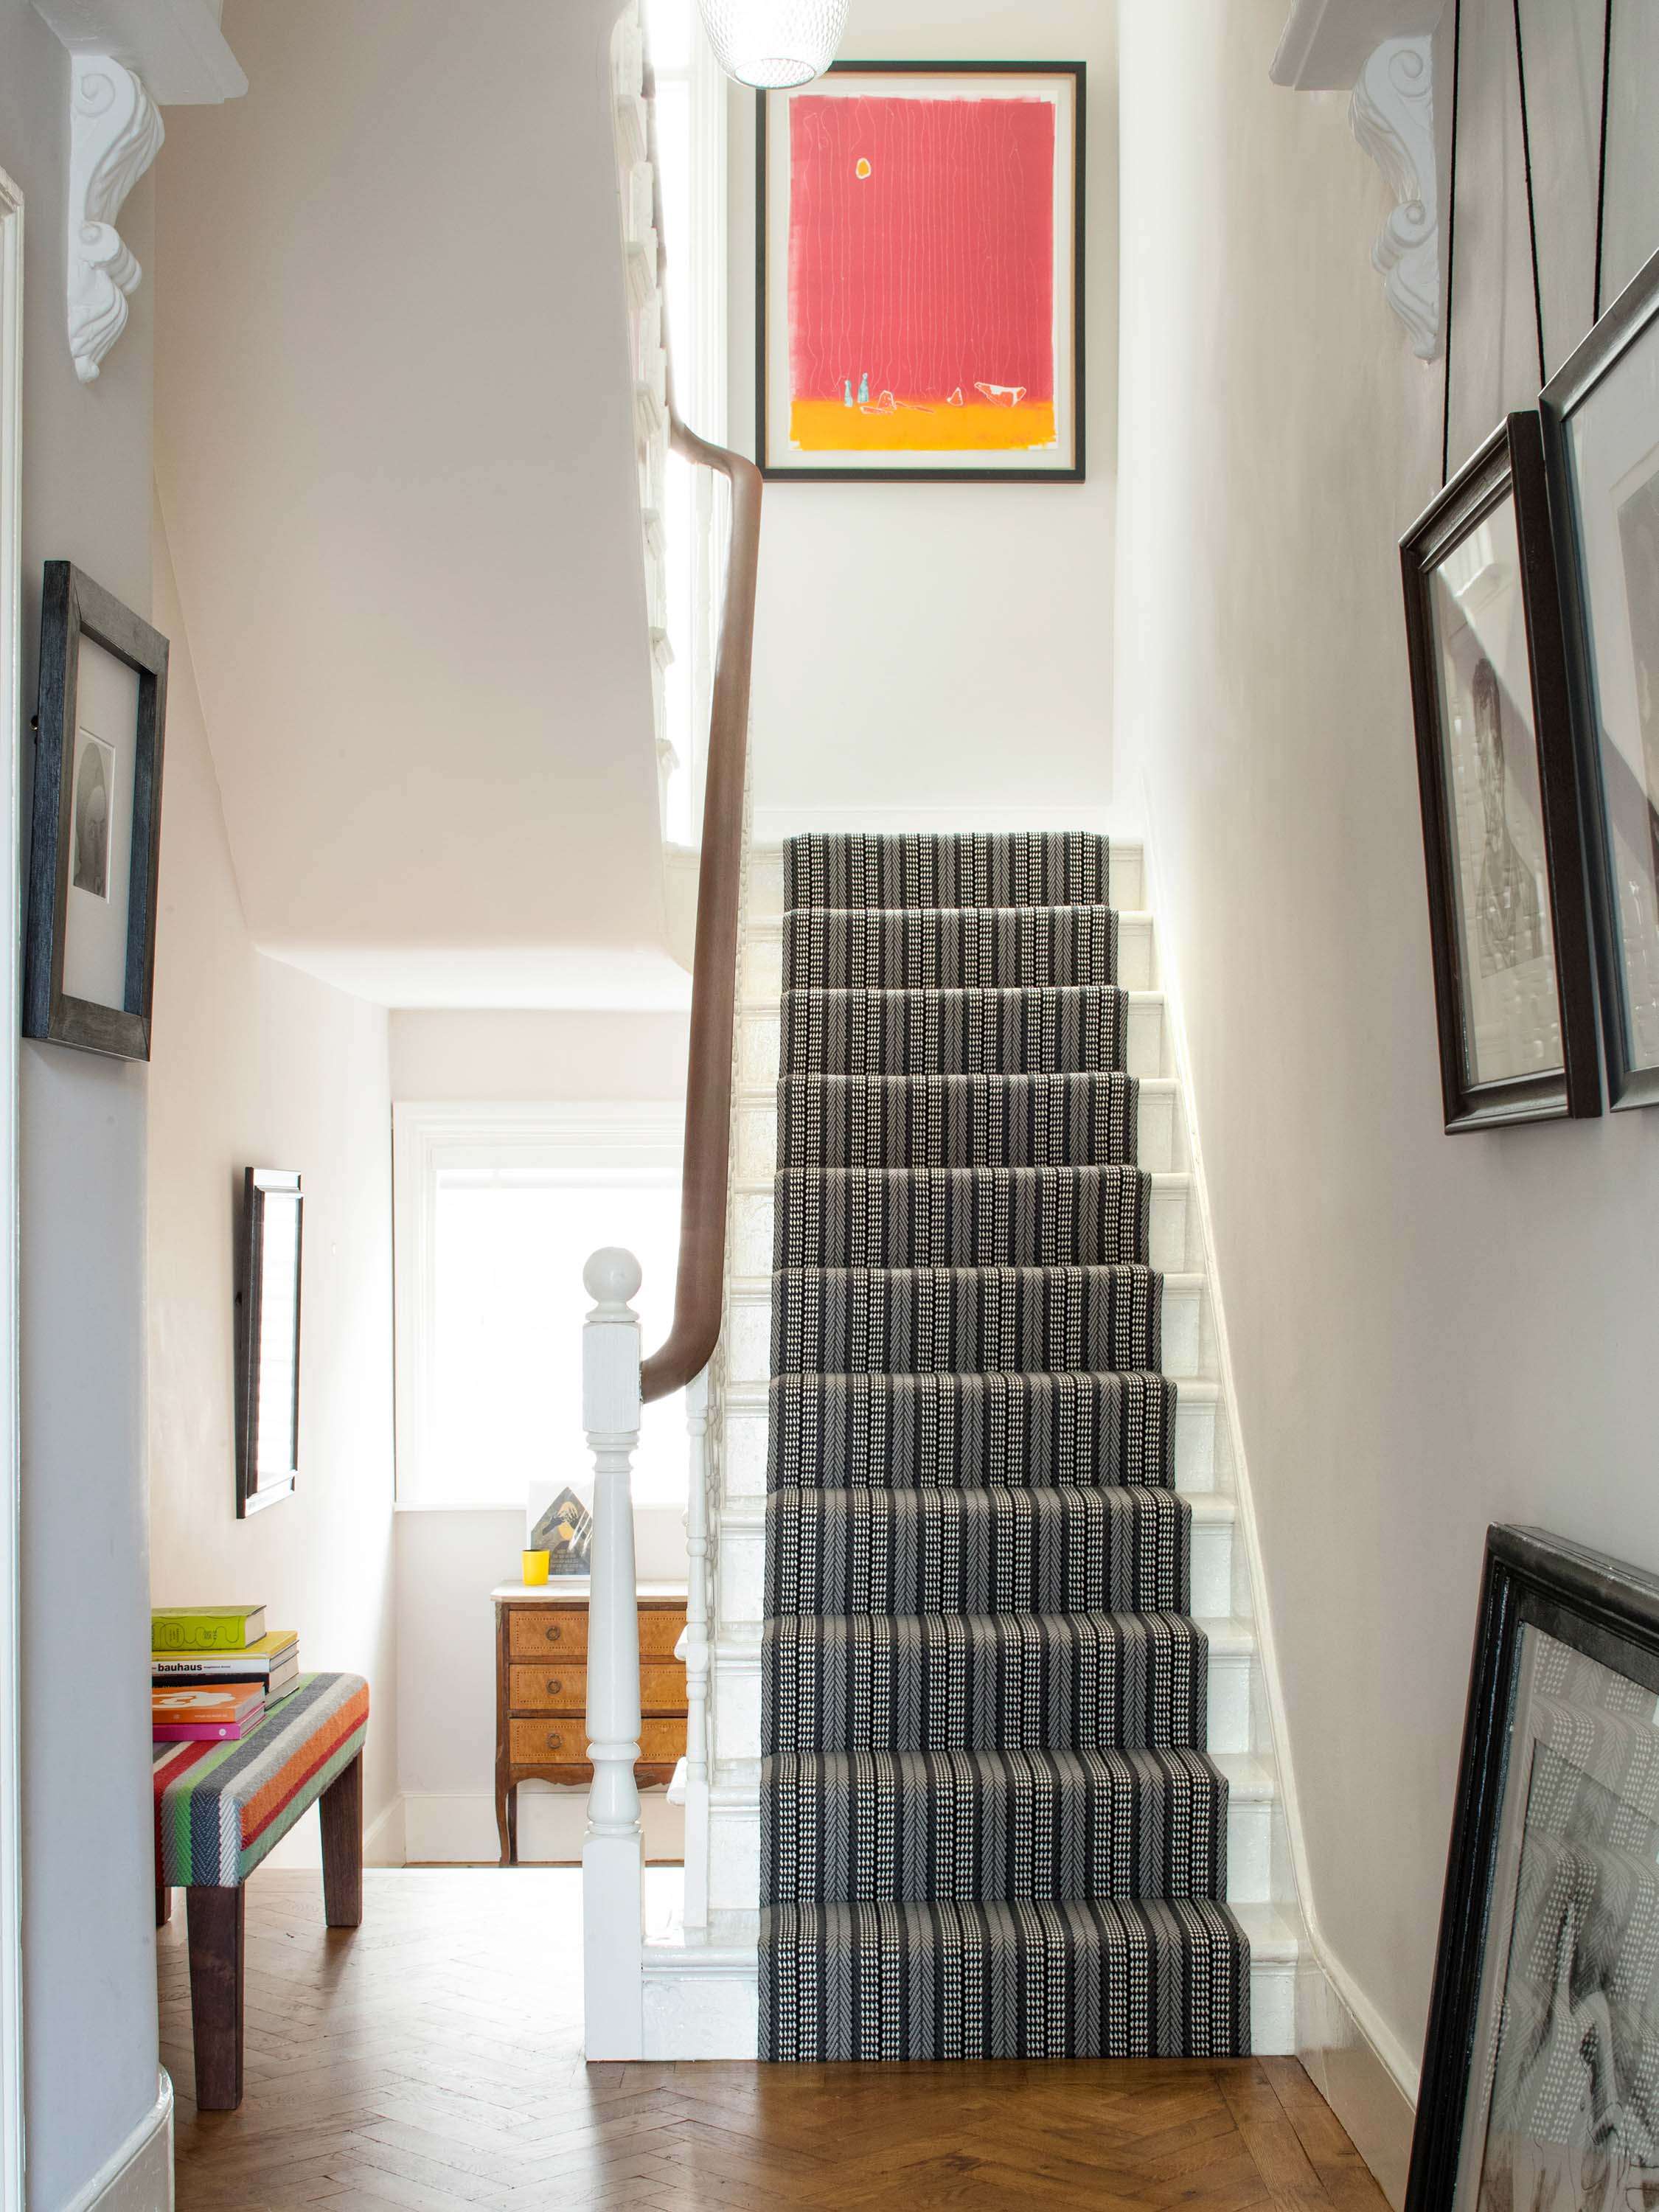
<point>268,1338</point>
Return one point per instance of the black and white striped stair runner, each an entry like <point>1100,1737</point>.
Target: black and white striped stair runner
<point>989,1827</point>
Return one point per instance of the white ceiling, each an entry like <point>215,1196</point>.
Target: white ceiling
<point>394,450</point>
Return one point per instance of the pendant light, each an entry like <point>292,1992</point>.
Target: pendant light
<point>771,44</point>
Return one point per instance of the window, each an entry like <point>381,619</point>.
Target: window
<point>497,1209</point>
<point>691,105</point>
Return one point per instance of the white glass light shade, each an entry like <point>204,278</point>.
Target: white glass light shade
<point>771,44</point>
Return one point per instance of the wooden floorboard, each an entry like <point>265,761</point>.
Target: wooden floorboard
<point>430,2061</point>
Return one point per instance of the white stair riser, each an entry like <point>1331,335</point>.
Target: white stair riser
<point>746,1439</point>
<point>762,979</point>
<point>1126,887</point>
<point>748,1331</point>
<point>741,1598</point>
<point>736,1705</point>
<point>755,1136</point>
<point>760,1053</point>
<point>734,1853</point>
<point>1170,1241</point>
<point>711,2017</point>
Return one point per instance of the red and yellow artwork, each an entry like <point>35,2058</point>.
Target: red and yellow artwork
<point>927,304</point>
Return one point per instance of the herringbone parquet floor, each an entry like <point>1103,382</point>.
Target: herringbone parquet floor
<point>430,2061</point>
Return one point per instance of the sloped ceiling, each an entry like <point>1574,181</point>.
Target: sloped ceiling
<point>394,451</point>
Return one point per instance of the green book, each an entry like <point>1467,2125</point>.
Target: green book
<point>205,1627</point>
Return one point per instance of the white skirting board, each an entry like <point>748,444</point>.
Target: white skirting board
<point>458,1828</point>
<point>138,2176</point>
<point>1359,2084</point>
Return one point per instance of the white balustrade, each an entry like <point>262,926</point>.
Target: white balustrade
<point>696,1657</point>
<point>613,1857</point>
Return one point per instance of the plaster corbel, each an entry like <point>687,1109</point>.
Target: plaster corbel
<point>115,133</point>
<point>1392,116</point>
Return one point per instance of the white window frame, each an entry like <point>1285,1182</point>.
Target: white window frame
<point>426,1136</point>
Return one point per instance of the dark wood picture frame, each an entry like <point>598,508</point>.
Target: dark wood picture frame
<point>73,607</point>
<point>255,1487</point>
<point>780,472</point>
<point>1508,466</point>
<point>1631,318</point>
<point>1594,1605</point>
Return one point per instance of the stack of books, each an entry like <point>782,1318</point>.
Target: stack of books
<point>215,1668</point>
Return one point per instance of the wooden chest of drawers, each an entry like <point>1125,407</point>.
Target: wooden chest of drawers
<point>541,1690</point>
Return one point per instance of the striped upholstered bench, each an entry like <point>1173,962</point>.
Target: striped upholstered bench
<point>222,1808</point>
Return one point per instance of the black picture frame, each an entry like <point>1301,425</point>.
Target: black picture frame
<point>1596,1607</point>
<point>1509,467</point>
<point>74,607</point>
<point>1607,780</point>
<point>777,471</point>
<point>267,1320</point>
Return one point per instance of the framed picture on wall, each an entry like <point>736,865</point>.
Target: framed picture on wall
<point>1600,417</point>
<point>920,273</point>
<point>1507,921</point>
<point>89,952</point>
<point>270,1245</point>
<point>1541,2070</point>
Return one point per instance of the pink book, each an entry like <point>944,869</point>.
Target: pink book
<point>203,1731</point>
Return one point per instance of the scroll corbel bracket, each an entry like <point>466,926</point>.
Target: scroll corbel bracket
<point>1392,115</point>
<point>115,133</point>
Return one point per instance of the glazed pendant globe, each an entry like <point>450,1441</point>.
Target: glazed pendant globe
<point>772,44</point>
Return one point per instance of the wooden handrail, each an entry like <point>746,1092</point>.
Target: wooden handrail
<point>705,1171</point>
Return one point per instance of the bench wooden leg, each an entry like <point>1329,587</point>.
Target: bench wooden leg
<point>217,1922</point>
<point>340,1809</point>
<point>163,1905</point>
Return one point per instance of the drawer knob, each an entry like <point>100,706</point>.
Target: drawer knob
<point>554,1686</point>
<point>554,1632</point>
<point>555,1738</point>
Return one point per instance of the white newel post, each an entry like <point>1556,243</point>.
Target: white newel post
<point>696,1657</point>
<point>613,1859</point>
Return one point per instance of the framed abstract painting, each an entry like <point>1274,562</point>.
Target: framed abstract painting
<point>920,235</point>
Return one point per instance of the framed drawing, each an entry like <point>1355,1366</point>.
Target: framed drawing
<point>89,952</point>
<point>268,1338</point>
<point>1602,440</point>
<point>1496,775</point>
<point>920,273</point>
<point>1541,2071</point>
<point>559,1521</point>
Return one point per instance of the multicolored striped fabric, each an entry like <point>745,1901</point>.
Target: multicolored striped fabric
<point>221,1807</point>
<point>990,1826</point>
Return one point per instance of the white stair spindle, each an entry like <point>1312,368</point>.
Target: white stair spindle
<point>696,1657</point>
<point>613,1859</point>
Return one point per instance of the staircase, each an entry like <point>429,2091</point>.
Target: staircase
<point>990,1770</point>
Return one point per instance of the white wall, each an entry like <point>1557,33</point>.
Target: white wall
<point>1428,1333</point>
<point>941,645</point>
<point>89,1989</point>
<point>257,1065</point>
<point>449,1562</point>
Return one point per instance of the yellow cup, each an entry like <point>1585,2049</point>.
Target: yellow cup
<point>535,1568</point>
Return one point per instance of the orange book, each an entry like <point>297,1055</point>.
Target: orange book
<point>221,1705</point>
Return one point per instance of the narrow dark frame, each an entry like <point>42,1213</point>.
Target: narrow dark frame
<point>73,607</point>
<point>1628,321</point>
<point>776,473</point>
<point>252,1494</point>
<point>1600,1607</point>
<point>1508,465</point>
